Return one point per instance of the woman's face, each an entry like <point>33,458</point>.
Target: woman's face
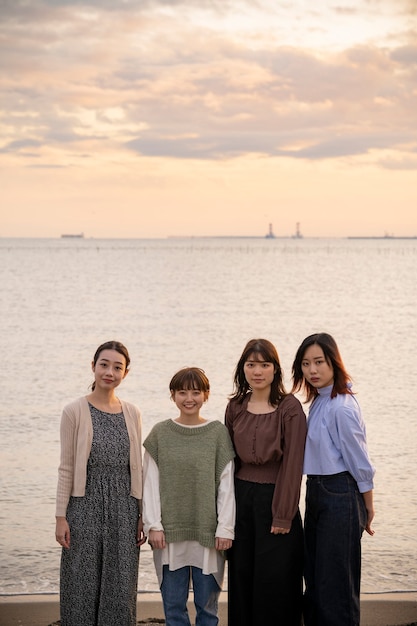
<point>189,401</point>
<point>315,368</point>
<point>259,373</point>
<point>109,370</point>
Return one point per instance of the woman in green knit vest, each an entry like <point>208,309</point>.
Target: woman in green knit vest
<point>188,502</point>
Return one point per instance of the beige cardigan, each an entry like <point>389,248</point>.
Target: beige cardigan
<point>76,439</point>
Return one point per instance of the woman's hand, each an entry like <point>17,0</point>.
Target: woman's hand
<point>223,544</point>
<point>370,513</point>
<point>62,532</point>
<point>140,537</point>
<point>157,539</point>
<point>276,530</point>
<point>368,528</point>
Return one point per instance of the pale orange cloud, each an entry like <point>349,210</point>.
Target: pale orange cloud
<point>213,117</point>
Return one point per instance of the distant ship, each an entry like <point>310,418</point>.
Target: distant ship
<point>72,236</point>
<point>270,233</point>
<point>385,236</point>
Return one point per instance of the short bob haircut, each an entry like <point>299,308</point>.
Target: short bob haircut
<point>190,378</point>
<point>341,378</point>
<point>257,350</point>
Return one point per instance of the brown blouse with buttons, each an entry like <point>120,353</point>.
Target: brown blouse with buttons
<point>270,449</point>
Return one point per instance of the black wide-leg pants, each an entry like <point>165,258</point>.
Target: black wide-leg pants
<point>264,570</point>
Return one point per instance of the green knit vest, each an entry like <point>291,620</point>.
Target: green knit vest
<point>190,463</point>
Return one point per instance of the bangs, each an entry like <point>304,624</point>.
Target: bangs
<point>259,355</point>
<point>190,378</point>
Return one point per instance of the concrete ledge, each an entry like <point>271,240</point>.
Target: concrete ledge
<point>388,609</point>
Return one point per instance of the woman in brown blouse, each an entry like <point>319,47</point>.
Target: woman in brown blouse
<point>268,430</point>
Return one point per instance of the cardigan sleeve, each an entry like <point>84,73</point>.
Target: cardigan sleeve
<point>134,426</point>
<point>66,466</point>
<point>288,484</point>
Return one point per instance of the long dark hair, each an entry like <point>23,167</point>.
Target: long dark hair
<point>332,355</point>
<point>111,345</point>
<point>266,350</point>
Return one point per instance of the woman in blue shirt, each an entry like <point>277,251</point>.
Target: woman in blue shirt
<point>339,496</point>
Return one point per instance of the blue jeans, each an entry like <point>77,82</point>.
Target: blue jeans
<point>335,518</point>
<point>174,590</point>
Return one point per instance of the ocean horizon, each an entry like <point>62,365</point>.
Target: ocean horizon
<point>179,301</point>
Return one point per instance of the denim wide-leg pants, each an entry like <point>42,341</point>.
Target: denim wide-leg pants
<point>174,589</point>
<point>335,519</point>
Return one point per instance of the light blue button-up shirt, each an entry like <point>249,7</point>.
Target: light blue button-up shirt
<point>336,439</point>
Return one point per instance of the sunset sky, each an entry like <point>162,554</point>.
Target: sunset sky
<point>155,118</point>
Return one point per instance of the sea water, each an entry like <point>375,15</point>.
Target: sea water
<point>178,302</point>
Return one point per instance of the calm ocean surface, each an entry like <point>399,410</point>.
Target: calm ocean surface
<point>177,302</point>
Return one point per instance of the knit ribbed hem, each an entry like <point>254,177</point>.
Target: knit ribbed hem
<point>204,537</point>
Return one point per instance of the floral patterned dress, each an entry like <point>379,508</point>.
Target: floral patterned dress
<point>99,572</point>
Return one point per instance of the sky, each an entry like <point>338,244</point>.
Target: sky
<point>159,118</point>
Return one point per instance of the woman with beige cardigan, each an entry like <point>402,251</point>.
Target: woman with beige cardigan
<point>98,521</point>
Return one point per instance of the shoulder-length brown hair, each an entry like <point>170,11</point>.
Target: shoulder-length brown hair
<point>254,349</point>
<point>341,378</point>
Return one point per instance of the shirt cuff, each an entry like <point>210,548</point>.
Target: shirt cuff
<point>282,523</point>
<point>225,533</point>
<point>365,486</point>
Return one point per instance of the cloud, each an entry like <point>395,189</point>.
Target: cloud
<point>19,145</point>
<point>406,55</point>
<point>46,166</point>
<point>143,78</point>
<point>348,146</point>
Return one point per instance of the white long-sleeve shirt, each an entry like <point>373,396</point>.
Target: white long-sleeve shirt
<point>188,553</point>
